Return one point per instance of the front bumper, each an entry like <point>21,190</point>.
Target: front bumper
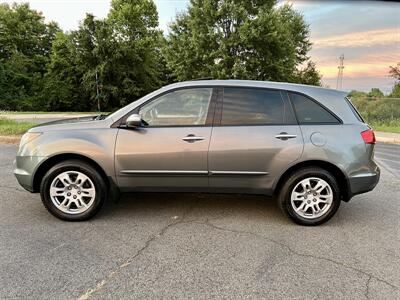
<point>364,182</point>
<point>25,168</point>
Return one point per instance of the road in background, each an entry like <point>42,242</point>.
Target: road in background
<point>45,117</point>
<point>388,155</point>
<point>198,246</point>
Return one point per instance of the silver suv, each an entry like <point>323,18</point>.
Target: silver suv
<point>306,145</point>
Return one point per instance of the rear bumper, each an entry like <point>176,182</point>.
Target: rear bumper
<point>363,182</point>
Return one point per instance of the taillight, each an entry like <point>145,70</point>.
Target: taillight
<point>368,136</point>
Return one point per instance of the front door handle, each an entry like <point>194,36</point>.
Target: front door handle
<point>284,136</point>
<point>191,138</point>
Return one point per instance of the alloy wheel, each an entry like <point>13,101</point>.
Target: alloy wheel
<point>311,198</point>
<point>72,192</point>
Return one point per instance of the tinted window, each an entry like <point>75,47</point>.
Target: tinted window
<point>354,110</point>
<point>246,106</point>
<point>309,112</point>
<point>179,108</point>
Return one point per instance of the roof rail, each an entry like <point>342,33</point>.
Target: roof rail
<point>203,78</point>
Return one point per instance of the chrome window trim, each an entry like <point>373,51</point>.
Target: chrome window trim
<point>184,172</point>
<point>164,172</point>
<point>254,173</point>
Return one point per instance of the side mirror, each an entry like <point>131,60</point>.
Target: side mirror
<point>134,121</point>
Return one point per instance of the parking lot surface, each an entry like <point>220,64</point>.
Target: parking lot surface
<point>198,246</point>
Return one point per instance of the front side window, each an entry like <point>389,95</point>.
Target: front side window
<point>186,107</point>
<point>247,106</point>
<point>310,112</point>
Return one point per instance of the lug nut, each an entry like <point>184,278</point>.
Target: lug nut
<point>69,194</point>
<point>74,197</point>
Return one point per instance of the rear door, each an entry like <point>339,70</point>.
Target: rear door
<point>254,139</point>
<point>170,150</point>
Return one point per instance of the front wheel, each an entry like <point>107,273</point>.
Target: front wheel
<point>310,196</point>
<point>73,190</point>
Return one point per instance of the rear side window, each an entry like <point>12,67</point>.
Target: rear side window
<point>310,112</point>
<point>247,106</point>
<point>354,110</point>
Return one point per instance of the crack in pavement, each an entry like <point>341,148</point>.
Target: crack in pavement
<point>369,276</point>
<point>130,260</point>
<point>367,287</point>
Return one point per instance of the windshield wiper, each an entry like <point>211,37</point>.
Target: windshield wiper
<point>100,117</point>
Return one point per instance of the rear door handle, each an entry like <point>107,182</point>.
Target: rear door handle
<point>284,136</point>
<point>191,138</point>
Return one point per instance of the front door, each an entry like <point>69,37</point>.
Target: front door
<point>254,140</point>
<point>170,149</point>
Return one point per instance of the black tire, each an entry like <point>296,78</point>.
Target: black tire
<point>291,182</point>
<point>86,169</point>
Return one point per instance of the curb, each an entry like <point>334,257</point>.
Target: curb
<point>10,139</point>
<point>387,140</point>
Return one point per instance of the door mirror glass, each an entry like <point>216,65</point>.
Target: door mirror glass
<point>134,121</point>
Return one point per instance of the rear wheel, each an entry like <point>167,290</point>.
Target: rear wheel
<point>73,190</point>
<point>310,196</point>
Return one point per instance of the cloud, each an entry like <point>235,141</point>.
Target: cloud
<point>363,65</point>
<point>369,38</point>
<point>362,83</point>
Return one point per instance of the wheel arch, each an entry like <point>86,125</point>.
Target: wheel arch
<point>339,175</point>
<point>53,160</point>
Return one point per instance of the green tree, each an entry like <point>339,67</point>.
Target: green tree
<point>395,93</point>
<point>375,93</point>
<point>25,44</point>
<point>62,88</point>
<point>132,69</point>
<point>113,61</point>
<point>240,39</point>
<point>395,72</point>
<point>308,75</point>
<point>357,94</point>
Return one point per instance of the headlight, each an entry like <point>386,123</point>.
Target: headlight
<point>28,137</point>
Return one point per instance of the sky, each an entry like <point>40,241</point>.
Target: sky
<point>367,33</point>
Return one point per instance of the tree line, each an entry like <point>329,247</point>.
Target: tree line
<point>375,93</point>
<point>113,61</point>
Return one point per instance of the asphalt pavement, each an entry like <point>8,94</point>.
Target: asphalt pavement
<point>200,246</point>
<point>388,156</point>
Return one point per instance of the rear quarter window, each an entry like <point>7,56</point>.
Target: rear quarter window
<point>354,110</point>
<point>309,111</point>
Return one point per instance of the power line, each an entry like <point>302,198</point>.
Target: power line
<point>339,81</point>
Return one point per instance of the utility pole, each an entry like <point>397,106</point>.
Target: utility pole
<point>339,81</point>
<point>97,93</point>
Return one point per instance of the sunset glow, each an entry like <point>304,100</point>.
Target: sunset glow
<point>369,38</point>
<point>367,33</point>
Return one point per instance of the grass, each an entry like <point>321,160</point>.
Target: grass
<point>11,127</point>
<point>382,114</point>
<point>6,112</point>
<point>385,128</point>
